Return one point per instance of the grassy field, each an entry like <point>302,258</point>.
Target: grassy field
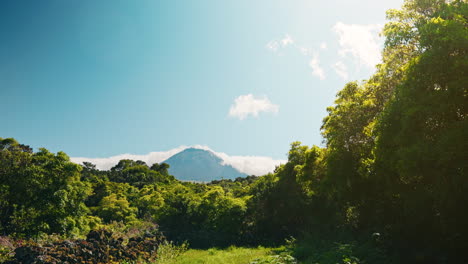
<point>231,255</point>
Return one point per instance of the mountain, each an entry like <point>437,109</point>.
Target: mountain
<point>200,165</point>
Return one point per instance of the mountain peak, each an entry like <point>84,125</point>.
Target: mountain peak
<point>194,164</point>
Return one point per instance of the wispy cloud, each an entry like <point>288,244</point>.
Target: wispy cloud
<point>314,63</point>
<point>251,165</point>
<point>287,40</point>
<point>273,46</point>
<point>276,45</point>
<point>246,105</point>
<point>362,42</point>
<point>341,69</point>
<point>316,69</point>
<point>323,45</point>
<point>305,51</point>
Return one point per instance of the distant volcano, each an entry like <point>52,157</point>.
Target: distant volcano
<point>200,165</point>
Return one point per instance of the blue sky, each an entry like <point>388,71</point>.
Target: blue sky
<point>102,78</point>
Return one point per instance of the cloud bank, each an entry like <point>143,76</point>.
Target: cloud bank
<point>251,165</point>
<point>246,105</point>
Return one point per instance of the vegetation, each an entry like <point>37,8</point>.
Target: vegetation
<point>231,255</point>
<point>388,187</point>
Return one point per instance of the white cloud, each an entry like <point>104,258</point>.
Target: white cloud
<point>287,40</point>
<point>361,41</point>
<point>251,165</point>
<point>273,46</point>
<point>304,51</point>
<point>246,105</point>
<point>323,45</point>
<point>314,63</point>
<point>316,69</point>
<point>341,70</point>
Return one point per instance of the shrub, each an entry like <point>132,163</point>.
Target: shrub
<point>276,259</point>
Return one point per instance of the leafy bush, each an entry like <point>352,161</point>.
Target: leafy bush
<point>168,251</point>
<point>276,259</point>
<point>347,251</point>
<point>6,249</point>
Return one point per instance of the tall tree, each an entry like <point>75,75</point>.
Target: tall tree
<point>422,148</point>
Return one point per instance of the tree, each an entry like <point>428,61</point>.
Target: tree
<point>162,168</point>
<point>41,192</point>
<point>138,174</point>
<point>115,207</point>
<point>422,148</point>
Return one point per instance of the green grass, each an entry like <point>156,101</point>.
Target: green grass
<point>231,255</point>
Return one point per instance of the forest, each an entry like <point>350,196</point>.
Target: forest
<point>389,184</point>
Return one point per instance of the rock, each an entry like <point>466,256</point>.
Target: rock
<point>99,247</point>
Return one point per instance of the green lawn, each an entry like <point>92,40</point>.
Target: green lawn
<point>231,255</point>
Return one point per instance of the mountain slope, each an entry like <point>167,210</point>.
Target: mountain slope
<point>200,165</point>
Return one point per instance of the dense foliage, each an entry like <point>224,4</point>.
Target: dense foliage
<point>392,175</point>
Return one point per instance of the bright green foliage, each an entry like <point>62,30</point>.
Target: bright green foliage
<point>422,137</point>
<point>224,213</point>
<point>347,130</point>
<point>168,252</point>
<point>231,255</point>
<point>396,144</point>
<point>205,217</point>
<point>283,203</point>
<point>138,174</point>
<point>239,187</point>
<point>149,202</point>
<point>275,259</point>
<point>116,208</point>
<point>41,192</point>
<point>162,168</point>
